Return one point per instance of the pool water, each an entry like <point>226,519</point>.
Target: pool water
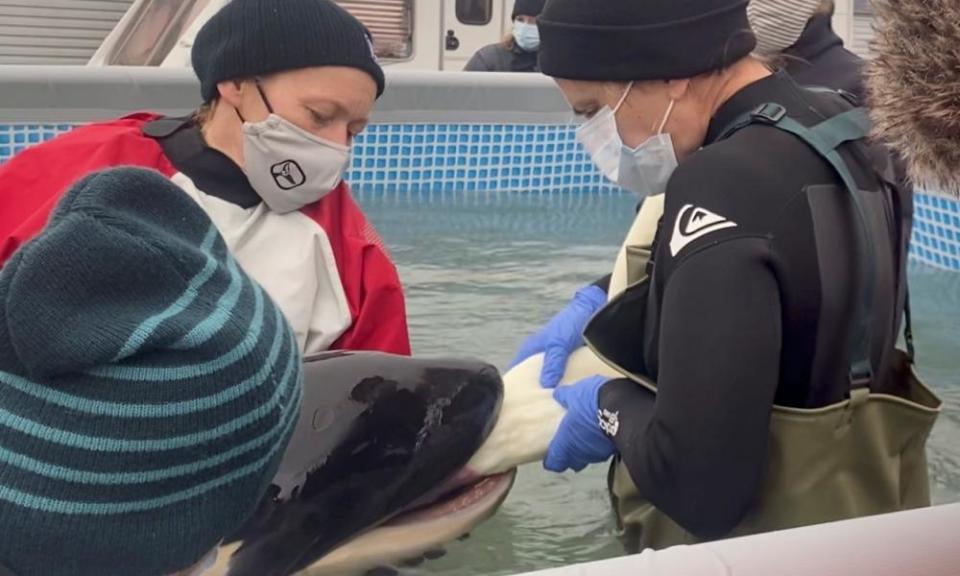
<point>482,270</point>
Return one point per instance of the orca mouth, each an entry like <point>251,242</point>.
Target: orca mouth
<point>421,529</point>
<point>467,496</point>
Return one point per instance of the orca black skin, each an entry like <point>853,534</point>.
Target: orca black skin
<point>376,433</point>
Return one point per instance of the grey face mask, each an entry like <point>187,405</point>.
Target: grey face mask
<point>287,166</point>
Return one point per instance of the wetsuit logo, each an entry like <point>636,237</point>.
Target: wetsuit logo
<point>288,174</point>
<point>609,422</point>
<point>693,223</point>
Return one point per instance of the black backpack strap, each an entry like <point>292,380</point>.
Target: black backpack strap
<point>896,184</point>
<point>824,138</point>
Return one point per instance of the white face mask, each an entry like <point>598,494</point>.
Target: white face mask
<point>646,169</point>
<point>527,36</point>
<point>289,167</point>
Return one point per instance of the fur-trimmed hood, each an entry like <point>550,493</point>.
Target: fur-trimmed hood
<point>914,84</point>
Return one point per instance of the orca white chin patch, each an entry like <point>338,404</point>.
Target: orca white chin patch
<point>694,223</point>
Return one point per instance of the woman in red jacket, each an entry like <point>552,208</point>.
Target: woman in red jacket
<point>285,91</point>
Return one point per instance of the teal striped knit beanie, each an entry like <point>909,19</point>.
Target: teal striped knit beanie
<point>148,387</point>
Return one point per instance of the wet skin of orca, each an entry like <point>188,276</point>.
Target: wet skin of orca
<point>377,435</point>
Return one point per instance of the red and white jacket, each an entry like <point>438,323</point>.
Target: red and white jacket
<point>325,265</point>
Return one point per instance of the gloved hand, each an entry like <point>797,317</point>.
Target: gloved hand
<point>562,335</point>
<point>579,440</point>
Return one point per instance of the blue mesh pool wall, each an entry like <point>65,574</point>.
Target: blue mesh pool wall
<point>405,158</point>
<point>936,231</point>
<point>427,158</point>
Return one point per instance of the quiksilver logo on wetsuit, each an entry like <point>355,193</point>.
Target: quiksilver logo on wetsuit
<point>693,223</point>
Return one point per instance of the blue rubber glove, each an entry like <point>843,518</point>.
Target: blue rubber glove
<point>562,335</point>
<point>579,440</point>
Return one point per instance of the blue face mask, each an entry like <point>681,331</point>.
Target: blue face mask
<point>527,36</point>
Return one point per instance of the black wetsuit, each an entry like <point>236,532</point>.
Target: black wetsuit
<point>753,295</point>
<point>820,59</point>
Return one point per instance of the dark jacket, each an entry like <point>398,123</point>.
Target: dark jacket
<point>500,58</point>
<point>751,302</point>
<point>819,59</point>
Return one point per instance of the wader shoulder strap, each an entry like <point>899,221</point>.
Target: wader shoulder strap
<point>908,324</point>
<point>887,175</point>
<point>824,138</point>
<point>896,184</point>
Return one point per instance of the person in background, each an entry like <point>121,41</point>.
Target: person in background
<point>914,84</point>
<point>148,386</point>
<point>517,52</point>
<point>286,86</point>
<point>798,36</point>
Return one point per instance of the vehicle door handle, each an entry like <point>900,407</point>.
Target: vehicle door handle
<point>452,41</point>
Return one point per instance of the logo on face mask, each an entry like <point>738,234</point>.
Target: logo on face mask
<point>288,174</point>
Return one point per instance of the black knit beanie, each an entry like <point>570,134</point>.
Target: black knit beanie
<point>527,8</point>
<point>624,40</point>
<point>248,38</point>
<point>148,387</point>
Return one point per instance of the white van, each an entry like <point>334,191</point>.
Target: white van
<point>414,34</point>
